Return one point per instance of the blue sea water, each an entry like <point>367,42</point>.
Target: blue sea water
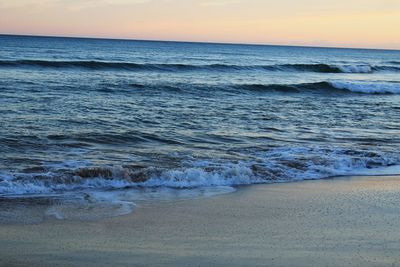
<point>83,115</point>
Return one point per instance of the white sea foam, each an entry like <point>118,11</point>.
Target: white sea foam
<point>89,211</point>
<point>98,204</point>
<point>158,194</point>
<point>229,174</point>
<point>368,88</point>
<point>355,68</point>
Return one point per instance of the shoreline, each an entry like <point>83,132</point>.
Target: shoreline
<point>350,220</point>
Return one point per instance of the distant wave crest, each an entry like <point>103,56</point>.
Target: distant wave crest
<point>104,65</point>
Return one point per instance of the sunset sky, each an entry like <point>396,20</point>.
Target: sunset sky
<point>344,23</point>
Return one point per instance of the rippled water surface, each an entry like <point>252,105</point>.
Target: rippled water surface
<point>85,115</point>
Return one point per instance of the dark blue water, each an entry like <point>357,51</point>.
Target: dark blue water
<point>86,114</point>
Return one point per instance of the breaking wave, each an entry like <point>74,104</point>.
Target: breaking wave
<point>322,87</point>
<point>334,86</point>
<point>368,88</point>
<point>104,65</point>
<point>275,165</point>
<point>325,68</point>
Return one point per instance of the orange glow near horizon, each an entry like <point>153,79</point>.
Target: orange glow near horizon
<point>341,23</point>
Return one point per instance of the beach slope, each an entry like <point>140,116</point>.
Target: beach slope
<point>349,221</point>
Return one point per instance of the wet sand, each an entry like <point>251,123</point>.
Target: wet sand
<point>336,222</point>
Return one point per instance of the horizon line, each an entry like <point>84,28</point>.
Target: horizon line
<point>193,42</point>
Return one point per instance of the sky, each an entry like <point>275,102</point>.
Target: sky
<point>338,23</point>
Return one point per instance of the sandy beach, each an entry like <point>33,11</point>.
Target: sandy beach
<point>349,221</point>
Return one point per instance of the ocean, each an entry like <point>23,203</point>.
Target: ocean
<point>85,117</point>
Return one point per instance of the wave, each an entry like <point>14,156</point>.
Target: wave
<point>94,65</point>
<point>324,68</point>
<point>368,88</point>
<point>112,138</point>
<point>373,87</point>
<point>386,68</point>
<point>104,65</point>
<point>274,165</point>
<point>331,86</point>
<point>293,88</point>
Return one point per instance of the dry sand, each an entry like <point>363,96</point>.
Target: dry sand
<point>337,222</point>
